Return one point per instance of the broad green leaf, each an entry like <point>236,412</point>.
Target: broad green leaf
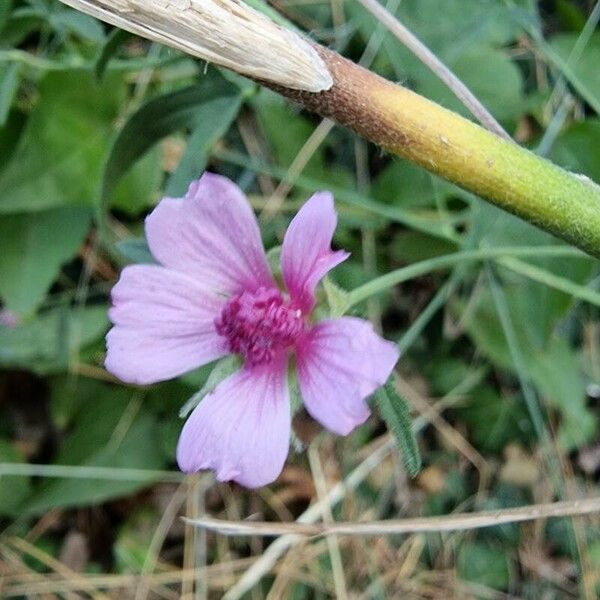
<point>9,85</point>
<point>5,8</point>
<point>33,247</point>
<point>110,433</point>
<point>47,342</point>
<point>214,117</point>
<point>404,184</point>
<point>576,148</point>
<point>572,16</point>
<point>158,118</point>
<point>414,246</point>
<point>483,563</point>
<point>286,142</point>
<point>585,68</point>
<point>139,188</point>
<point>10,134</point>
<point>465,23</point>
<point>13,490</point>
<point>77,23</point>
<point>550,362</point>
<point>17,28</point>
<point>557,374</point>
<point>494,79</point>
<point>396,414</point>
<point>494,420</point>
<point>136,250</point>
<point>61,151</point>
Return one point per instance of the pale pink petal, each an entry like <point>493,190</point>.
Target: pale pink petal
<point>340,363</point>
<point>212,235</point>
<point>306,254</point>
<point>163,325</point>
<point>242,429</point>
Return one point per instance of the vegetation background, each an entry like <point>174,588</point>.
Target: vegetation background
<point>501,363</point>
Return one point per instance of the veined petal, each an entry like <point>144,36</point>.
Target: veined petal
<point>163,325</point>
<point>340,363</point>
<point>241,430</point>
<point>306,254</point>
<point>212,235</point>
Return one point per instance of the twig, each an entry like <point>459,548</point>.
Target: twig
<point>458,522</point>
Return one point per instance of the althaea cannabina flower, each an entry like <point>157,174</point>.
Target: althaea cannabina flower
<point>213,294</point>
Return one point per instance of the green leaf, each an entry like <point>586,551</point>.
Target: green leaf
<point>61,151</point>
<point>403,184</point>
<point>33,247</point>
<point>395,412</point>
<point>9,85</point>
<point>214,117</point>
<point>47,342</point>
<point>549,360</point>
<point>495,420</point>
<point>77,23</point>
<point>576,148</point>
<point>557,374</point>
<point>465,24</point>
<point>286,142</point>
<point>112,433</point>
<point>5,8</point>
<point>113,42</point>
<point>337,298</point>
<point>585,69</point>
<point>10,134</point>
<point>139,188</point>
<point>222,369</point>
<point>17,28</point>
<point>494,79</point>
<point>158,118</point>
<point>572,16</point>
<point>13,490</point>
<point>136,250</point>
<point>483,563</point>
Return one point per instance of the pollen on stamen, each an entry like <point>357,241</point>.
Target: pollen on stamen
<point>258,325</point>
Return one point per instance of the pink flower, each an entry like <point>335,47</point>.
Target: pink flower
<point>213,294</point>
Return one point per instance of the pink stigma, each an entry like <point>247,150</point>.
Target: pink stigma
<point>259,324</point>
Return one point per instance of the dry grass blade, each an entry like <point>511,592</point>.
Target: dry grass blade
<point>227,33</point>
<point>457,522</point>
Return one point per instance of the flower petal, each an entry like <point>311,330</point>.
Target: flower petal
<point>340,363</point>
<point>212,235</point>
<point>163,325</point>
<point>242,429</point>
<point>306,254</point>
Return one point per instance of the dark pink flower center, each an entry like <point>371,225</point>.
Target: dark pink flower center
<point>259,324</point>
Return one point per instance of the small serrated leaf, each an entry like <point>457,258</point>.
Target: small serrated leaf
<point>395,412</point>
<point>337,298</point>
<point>225,367</point>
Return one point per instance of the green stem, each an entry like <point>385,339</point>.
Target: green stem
<point>507,175</point>
<point>380,284</point>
